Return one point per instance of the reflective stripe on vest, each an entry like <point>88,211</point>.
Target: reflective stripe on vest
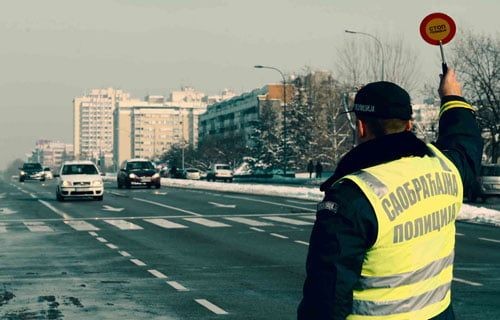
<point>408,271</point>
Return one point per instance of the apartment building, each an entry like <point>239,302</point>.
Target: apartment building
<point>51,153</point>
<point>93,123</point>
<point>239,113</point>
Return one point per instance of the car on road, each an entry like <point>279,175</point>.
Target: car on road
<point>31,171</point>
<point>138,172</point>
<point>489,181</point>
<point>193,174</point>
<point>48,173</point>
<point>79,179</point>
<point>220,171</point>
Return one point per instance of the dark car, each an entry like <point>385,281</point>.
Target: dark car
<point>138,172</point>
<point>31,171</point>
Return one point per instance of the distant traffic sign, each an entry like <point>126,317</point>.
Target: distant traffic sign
<point>437,28</point>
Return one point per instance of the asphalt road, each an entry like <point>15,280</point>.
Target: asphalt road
<point>182,254</point>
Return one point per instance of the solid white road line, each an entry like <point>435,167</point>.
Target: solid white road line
<point>278,236</point>
<point>301,202</point>
<point>250,222</point>
<point>111,246</point>
<point>101,240</point>
<point>207,223</point>
<point>476,284</point>
<point>270,202</point>
<point>124,253</point>
<point>302,242</point>
<point>164,223</point>
<point>312,217</point>
<point>167,206</point>
<point>459,234</point>
<point>123,224</point>
<point>3,228</point>
<point>177,286</point>
<point>80,225</point>
<point>257,229</point>
<point>137,262</point>
<point>210,306</point>
<point>491,240</point>
<point>38,227</point>
<point>289,221</point>
<point>157,274</point>
<point>93,234</point>
<point>55,210</point>
<point>33,195</point>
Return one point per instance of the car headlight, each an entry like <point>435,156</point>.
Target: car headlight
<point>23,173</point>
<point>96,183</point>
<point>132,176</point>
<point>155,176</point>
<point>66,183</point>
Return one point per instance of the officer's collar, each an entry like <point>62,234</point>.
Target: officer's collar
<point>377,151</point>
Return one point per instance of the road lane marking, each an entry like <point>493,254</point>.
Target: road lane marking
<point>289,221</point>
<point>118,194</point>
<point>125,253</point>
<point>3,228</point>
<point>93,234</point>
<point>123,224</point>
<point>164,223</point>
<point>221,205</point>
<point>55,210</point>
<point>250,222</point>
<point>459,234</point>
<point>110,208</point>
<point>269,202</point>
<point>111,246</point>
<point>177,286</point>
<point>278,236</point>
<point>137,262</point>
<point>157,274</point>
<point>38,227</point>
<point>167,206</point>
<point>210,306</point>
<point>207,223</point>
<point>311,217</point>
<point>100,239</point>
<point>302,242</point>
<point>33,195</point>
<point>257,229</point>
<point>81,225</point>
<point>491,240</point>
<point>476,284</point>
<point>301,202</point>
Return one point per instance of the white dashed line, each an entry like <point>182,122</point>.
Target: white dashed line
<point>157,274</point>
<point>491,240</point>
<point>257,229</point>
<point>33,195</point>
<point>124,253</point>
<point>210,306</point>
<point>38,227</point>
<point>250,222</point>
<point>289,221</point>
<point>459,234</point>
<point>476,284</point>
<point>164,223</point>
<point>137,262</point>
<point>177,286</point>
<point>93,234</point>
<point>81,226</point>
<point>3,228</point>
<point>123,224</point>
<point>302,242</point>
<point>207,222</point>
<point>278,236</point>
<point>111,246</point>
<point>100,239</point>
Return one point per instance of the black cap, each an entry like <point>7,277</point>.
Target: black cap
<point>384,100</point>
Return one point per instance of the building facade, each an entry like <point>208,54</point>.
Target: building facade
<point>93,124</point>
<point>51,153</point>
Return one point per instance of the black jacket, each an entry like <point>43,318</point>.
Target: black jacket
<point>339,241</point>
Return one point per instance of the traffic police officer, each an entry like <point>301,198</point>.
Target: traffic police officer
<point>382,246</point>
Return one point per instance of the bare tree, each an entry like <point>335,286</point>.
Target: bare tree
<point>358,61</point>
<point>476,58</point>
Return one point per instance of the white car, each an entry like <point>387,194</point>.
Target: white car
<point>79,179</point>
<point>47,172</point>
<point>193,174</point>
<point>220,171</point>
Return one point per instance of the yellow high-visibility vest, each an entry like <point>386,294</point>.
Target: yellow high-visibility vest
<point>407,273</point>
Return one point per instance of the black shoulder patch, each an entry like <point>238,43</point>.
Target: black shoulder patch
<point>328,205</point>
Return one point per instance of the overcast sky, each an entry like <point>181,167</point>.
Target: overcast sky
<point>53,50</point>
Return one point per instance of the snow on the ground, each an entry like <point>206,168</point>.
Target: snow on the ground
<point>469,212</point>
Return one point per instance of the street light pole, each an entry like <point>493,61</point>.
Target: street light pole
<point>379,44</point>
<point>284,114</point>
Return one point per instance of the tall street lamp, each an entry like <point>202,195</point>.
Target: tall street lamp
<point>284,113</point>
<point>379,44</point>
